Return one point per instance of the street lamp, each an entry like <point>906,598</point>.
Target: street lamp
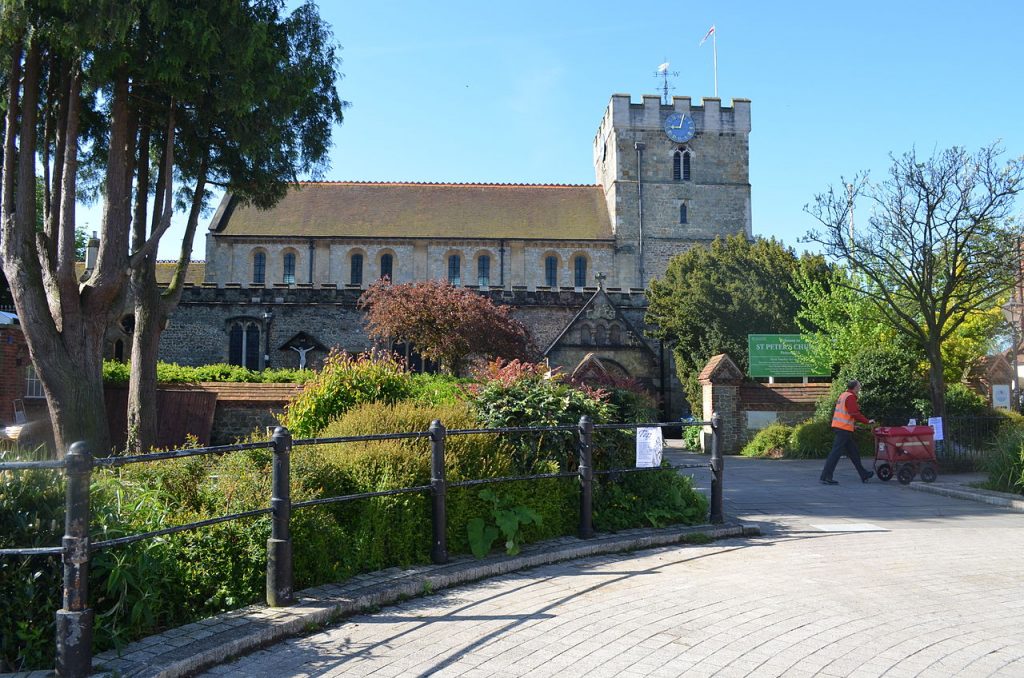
<point>1012,311</point>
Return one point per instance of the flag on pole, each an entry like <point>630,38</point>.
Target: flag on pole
<point>711,31</point>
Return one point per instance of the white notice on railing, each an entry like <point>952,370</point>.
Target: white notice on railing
<point>648,447</point>
<point>936,423</point>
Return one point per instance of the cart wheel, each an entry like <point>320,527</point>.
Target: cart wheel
<point>905,474</point>
<point>884,472</point>
<point>928,474</point>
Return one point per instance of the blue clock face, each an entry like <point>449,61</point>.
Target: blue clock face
<point>679,127</point>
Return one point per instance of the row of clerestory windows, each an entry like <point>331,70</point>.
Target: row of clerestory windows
<point>454,262</point>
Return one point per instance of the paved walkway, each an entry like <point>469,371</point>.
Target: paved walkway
<point>871,579</point>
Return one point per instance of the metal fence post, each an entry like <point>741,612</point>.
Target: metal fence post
<point>280,590</point>
<point>438,494</point>
<point>75,619</point>
<point>717,469</point>
<point>586,429</point>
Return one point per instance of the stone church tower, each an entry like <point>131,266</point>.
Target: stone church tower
<point>673,176</point>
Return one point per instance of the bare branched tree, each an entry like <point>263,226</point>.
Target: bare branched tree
<point>940,243</point>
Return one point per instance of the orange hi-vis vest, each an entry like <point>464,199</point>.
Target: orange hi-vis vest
<point>841,418</point>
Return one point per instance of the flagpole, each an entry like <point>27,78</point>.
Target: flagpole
<point>714,46</point>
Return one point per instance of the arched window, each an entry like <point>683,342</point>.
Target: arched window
<point>244,344</point>
<point>615,335</point>
<point>387,264</point>
<point>579,268</point>
<point>355,276</point>
<point>289,268</point>
<point>677,166</point>
<point>455,269</point>
<point>599,335</point>
<point>586,336</point>
<point>551,271</point>
<point>686,165</point>
<point>259,268</point>
<point>682,213</point>
<point>483,270</point>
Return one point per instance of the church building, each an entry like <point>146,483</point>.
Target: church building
<point>280,285</point>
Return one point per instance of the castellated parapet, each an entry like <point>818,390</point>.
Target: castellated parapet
<point>664,196</point>
<point>650,114</point>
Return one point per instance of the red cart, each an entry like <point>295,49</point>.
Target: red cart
<point>904,452</point>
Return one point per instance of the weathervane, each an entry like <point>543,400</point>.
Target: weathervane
<point>663,73</point>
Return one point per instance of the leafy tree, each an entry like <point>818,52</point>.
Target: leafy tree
<point>446,324</point>
<point>838,323</point>
<point>711,298</point>
<point>974,339</point>
<point>262,87</point>
<point>176,90</point>
<point>938,246</point>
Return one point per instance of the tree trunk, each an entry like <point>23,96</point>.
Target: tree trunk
<point>73,383</point>
<point>149,321</point>
<point>937,381</point>
<point>152,308</point>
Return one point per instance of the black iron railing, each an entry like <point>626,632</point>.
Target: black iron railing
<point>75,618</point>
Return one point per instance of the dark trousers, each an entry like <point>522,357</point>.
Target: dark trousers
<point>843,444</point>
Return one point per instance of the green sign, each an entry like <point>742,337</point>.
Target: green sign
<point>778,355</point>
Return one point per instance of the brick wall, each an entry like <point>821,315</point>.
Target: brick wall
<point>747,407</point>
<point>14,358</point>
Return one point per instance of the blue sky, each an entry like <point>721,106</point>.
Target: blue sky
<point>513,92</point>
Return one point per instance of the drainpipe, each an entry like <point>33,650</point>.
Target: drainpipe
<point>501,250</point>
<point>639,146</point>
<point>312,253</point>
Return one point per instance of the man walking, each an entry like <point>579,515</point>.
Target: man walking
<point>847,412</point>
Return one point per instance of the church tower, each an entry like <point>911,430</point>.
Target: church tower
<point>674,175</point>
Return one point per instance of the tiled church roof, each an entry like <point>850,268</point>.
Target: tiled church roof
<point>414,210</point>
<point>164,271</point>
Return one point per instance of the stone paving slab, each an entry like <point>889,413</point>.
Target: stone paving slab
<point>190,648</point>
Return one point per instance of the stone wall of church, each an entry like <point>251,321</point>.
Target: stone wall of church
<point>512,263</point>
<point>198,331</point>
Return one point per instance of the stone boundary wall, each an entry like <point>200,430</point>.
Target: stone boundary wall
<point>243,408</point>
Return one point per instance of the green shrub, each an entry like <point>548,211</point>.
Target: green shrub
<point>691,437</point>
<point>436,389</point>
<point>1005,465</point>
<point>115,372</point>
<point>345,381</point>
<point>963,401</point>
<point>812,439</point>
<point>772,442</point>
<point>31,515</point>
<point>525,394</point>
<point>650,498</point>
<point>894,385</point>
<point>396,530</point>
